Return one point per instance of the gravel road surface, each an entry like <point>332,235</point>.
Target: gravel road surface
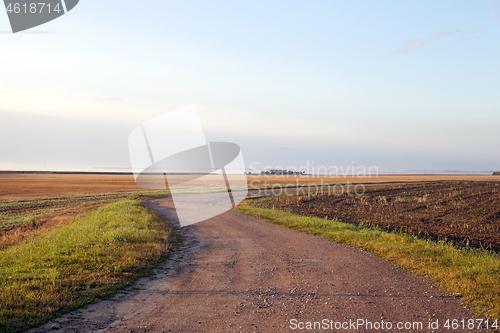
<point>237,273</point>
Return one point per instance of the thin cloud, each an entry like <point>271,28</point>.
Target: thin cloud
<point>434,36</point>
<point>411,45</point>
<point>465,34</point>
<point>450,33</point>
<point>445,33</point>
<point>493,3</point>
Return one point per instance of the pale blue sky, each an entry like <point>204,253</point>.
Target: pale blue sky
<point>397,84</point>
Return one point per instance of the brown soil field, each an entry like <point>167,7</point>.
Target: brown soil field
<point>465,212</point>
<point>22,186</point>
<point>263,180</point>
<point>34,203</point>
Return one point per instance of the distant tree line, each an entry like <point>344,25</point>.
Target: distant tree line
<point>277,172</point>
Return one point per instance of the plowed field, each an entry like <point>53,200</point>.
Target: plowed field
<point>465,212</point>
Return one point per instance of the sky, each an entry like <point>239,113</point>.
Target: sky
<point>406,86</point>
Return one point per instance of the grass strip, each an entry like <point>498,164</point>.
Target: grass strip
<point>91,257</point>
<point>470,273</point>
<point>27,211</point>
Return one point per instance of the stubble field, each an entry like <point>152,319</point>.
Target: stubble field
<point>23,186</point>
<point>465,212</point>
<point>31,204</point>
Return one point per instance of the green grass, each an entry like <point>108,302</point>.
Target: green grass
<point>7,220</point>
<point>89,258</point>
<point>473,274</point>
<point>28,211</point>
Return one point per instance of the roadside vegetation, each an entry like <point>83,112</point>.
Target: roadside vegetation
<point>90,257</point>
<point>21,219</point>
<point>24,218</point>
<point>472,274</point>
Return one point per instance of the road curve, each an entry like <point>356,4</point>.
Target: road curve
<point>237,273</point>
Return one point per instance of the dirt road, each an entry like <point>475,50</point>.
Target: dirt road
<point>236,273</point>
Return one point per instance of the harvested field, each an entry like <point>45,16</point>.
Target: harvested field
<point>465,212</point>
<point>256,181</point>
<point>34,203</point>
<point>23,186</point>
